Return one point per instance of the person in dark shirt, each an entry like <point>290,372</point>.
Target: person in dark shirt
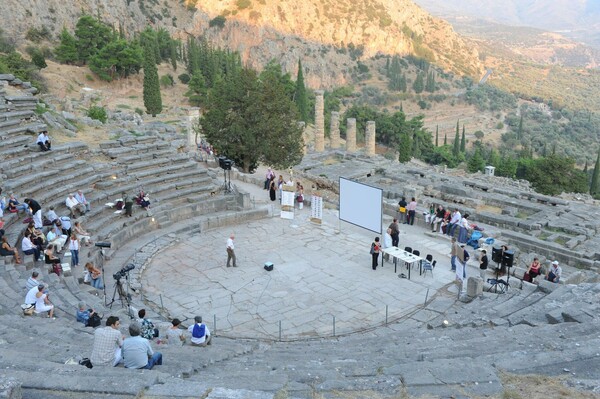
<point>483,264</point>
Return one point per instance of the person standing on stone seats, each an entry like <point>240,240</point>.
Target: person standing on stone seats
<point>36,212</point>
<point>453,254</point>
<point>402,210</point>
<point>107,344</point>
<point>412,210</point>
<point>395,232</point>
<point>483,264</point>
<point>231,250</point>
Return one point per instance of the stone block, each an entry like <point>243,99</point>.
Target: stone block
<point>474,287</point>
<point>7,76</point>
<point>546,286</point>
<point>10,388</point>
<point>574,314</point>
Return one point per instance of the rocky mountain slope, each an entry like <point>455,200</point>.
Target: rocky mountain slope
<point>330,36</point>
<point>579,20</point>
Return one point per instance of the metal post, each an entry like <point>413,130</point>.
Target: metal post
<point>426,296</point>
<point>280,330</point>
<point>161,302</point>
<point>334,326</point>
<point>215,323</point>
<point>386,315</point>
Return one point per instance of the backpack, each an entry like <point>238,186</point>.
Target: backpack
<point>466,256</point>
<point>372,248</point>
<point>57,268</point>
<point>94,321</point>
<point>199,331</point>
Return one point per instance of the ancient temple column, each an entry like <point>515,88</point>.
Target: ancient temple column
<point>193,116</point>
<point>370,138</point>
<point>319,122</point>
<point>351,135</point>
<point>334,131</point>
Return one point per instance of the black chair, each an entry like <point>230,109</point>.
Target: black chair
<point>408,249</point>
<point>416,252</point>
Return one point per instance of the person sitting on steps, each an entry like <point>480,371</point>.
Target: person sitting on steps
<point>7,250</point>
<point>200,333</point>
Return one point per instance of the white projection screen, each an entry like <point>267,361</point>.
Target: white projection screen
<point>361,205</point>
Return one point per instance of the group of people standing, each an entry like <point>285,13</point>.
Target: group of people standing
<point>275,188</point>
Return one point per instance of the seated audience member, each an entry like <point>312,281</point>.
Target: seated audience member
<point>74,206</point>
<point>64,222</point>
<point>464,227</point>
<point>28,248</point>
<point>95,276</point>
<point>175,335</point>
<point>107,344</point>
<point>51,215</point>
<point>148,330</point>
<point>42,302</point>
<point>200,332</point>
<point>143,200</point>
<point>80,197</point>
<point>36,236</point>
<point>33,281</point>
<point>7,250</point>
<point>30,296</point>
<point>36,212</point>
<point>15,206</point>
<point>554,273</point>
<point>137,352</point>
<point>83,236</point>
<point>83,313</point>
<point>56,237</point>
<point>49,257</point>
<point>534,270</point>
<point>43,141</point>
<point>438,218</point>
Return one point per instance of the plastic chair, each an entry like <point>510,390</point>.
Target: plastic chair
<point>408,249</point>
<point>416,252</point>
<point>427,267</point>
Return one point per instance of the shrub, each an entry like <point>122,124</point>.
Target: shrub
<point>97,113</point>
<point>218,21</point>
<point>139,111</point>
<point>166,80</point>
<point>241,4</point>
<point>184,78</point>
<point>36,35</point>
<point>500,125</point>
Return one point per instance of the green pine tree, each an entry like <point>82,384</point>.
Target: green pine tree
<point>463,141</point>
<point>405,148</point>
<point>456,148</point>
<point>300,96</point>
<point>152,98</point>
<point>66,52</point>
<point>595,185</point>
<point>418,85</point>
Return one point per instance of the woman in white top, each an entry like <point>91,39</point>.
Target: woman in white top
<point>82,235</point>
<point>43,304</point>
<point>74,248</point>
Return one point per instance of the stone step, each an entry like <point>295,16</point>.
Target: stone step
<point>8,143</point>
<point>43,175</point>
<point>156,154</point>
<point>32,128</point>
<point>171,160</point>
<point>15,115</point>
<point>8,123</point>
<point>34,165</point>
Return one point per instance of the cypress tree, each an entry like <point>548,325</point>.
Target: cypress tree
<point>152,98</point>
<point>418,85</point>
<point>463,141</point>
<point>445,138</point>
<point>436,135</point>
<point>300,95</point>
<point>456,149</point>
<point>173,54</point>
<point>585,167</point>
<point>595,186</point>
<point>520,131</point>
<point>405,148</point>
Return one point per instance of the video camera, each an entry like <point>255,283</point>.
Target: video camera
<point>124,271</point>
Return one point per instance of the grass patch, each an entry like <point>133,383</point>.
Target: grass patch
<point>133,97</point>
<point>123,106</point>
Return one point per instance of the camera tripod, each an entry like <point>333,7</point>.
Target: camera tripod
<point>124,296</point>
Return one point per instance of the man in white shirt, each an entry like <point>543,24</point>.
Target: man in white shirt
<point>28,248</point>
<point>74,205</point>
<point>230,250</point>
<point>80,197</point>
<point>200,332</point>
<point>456,218</point>
<point>554,273</point>
<point>44,141</point>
